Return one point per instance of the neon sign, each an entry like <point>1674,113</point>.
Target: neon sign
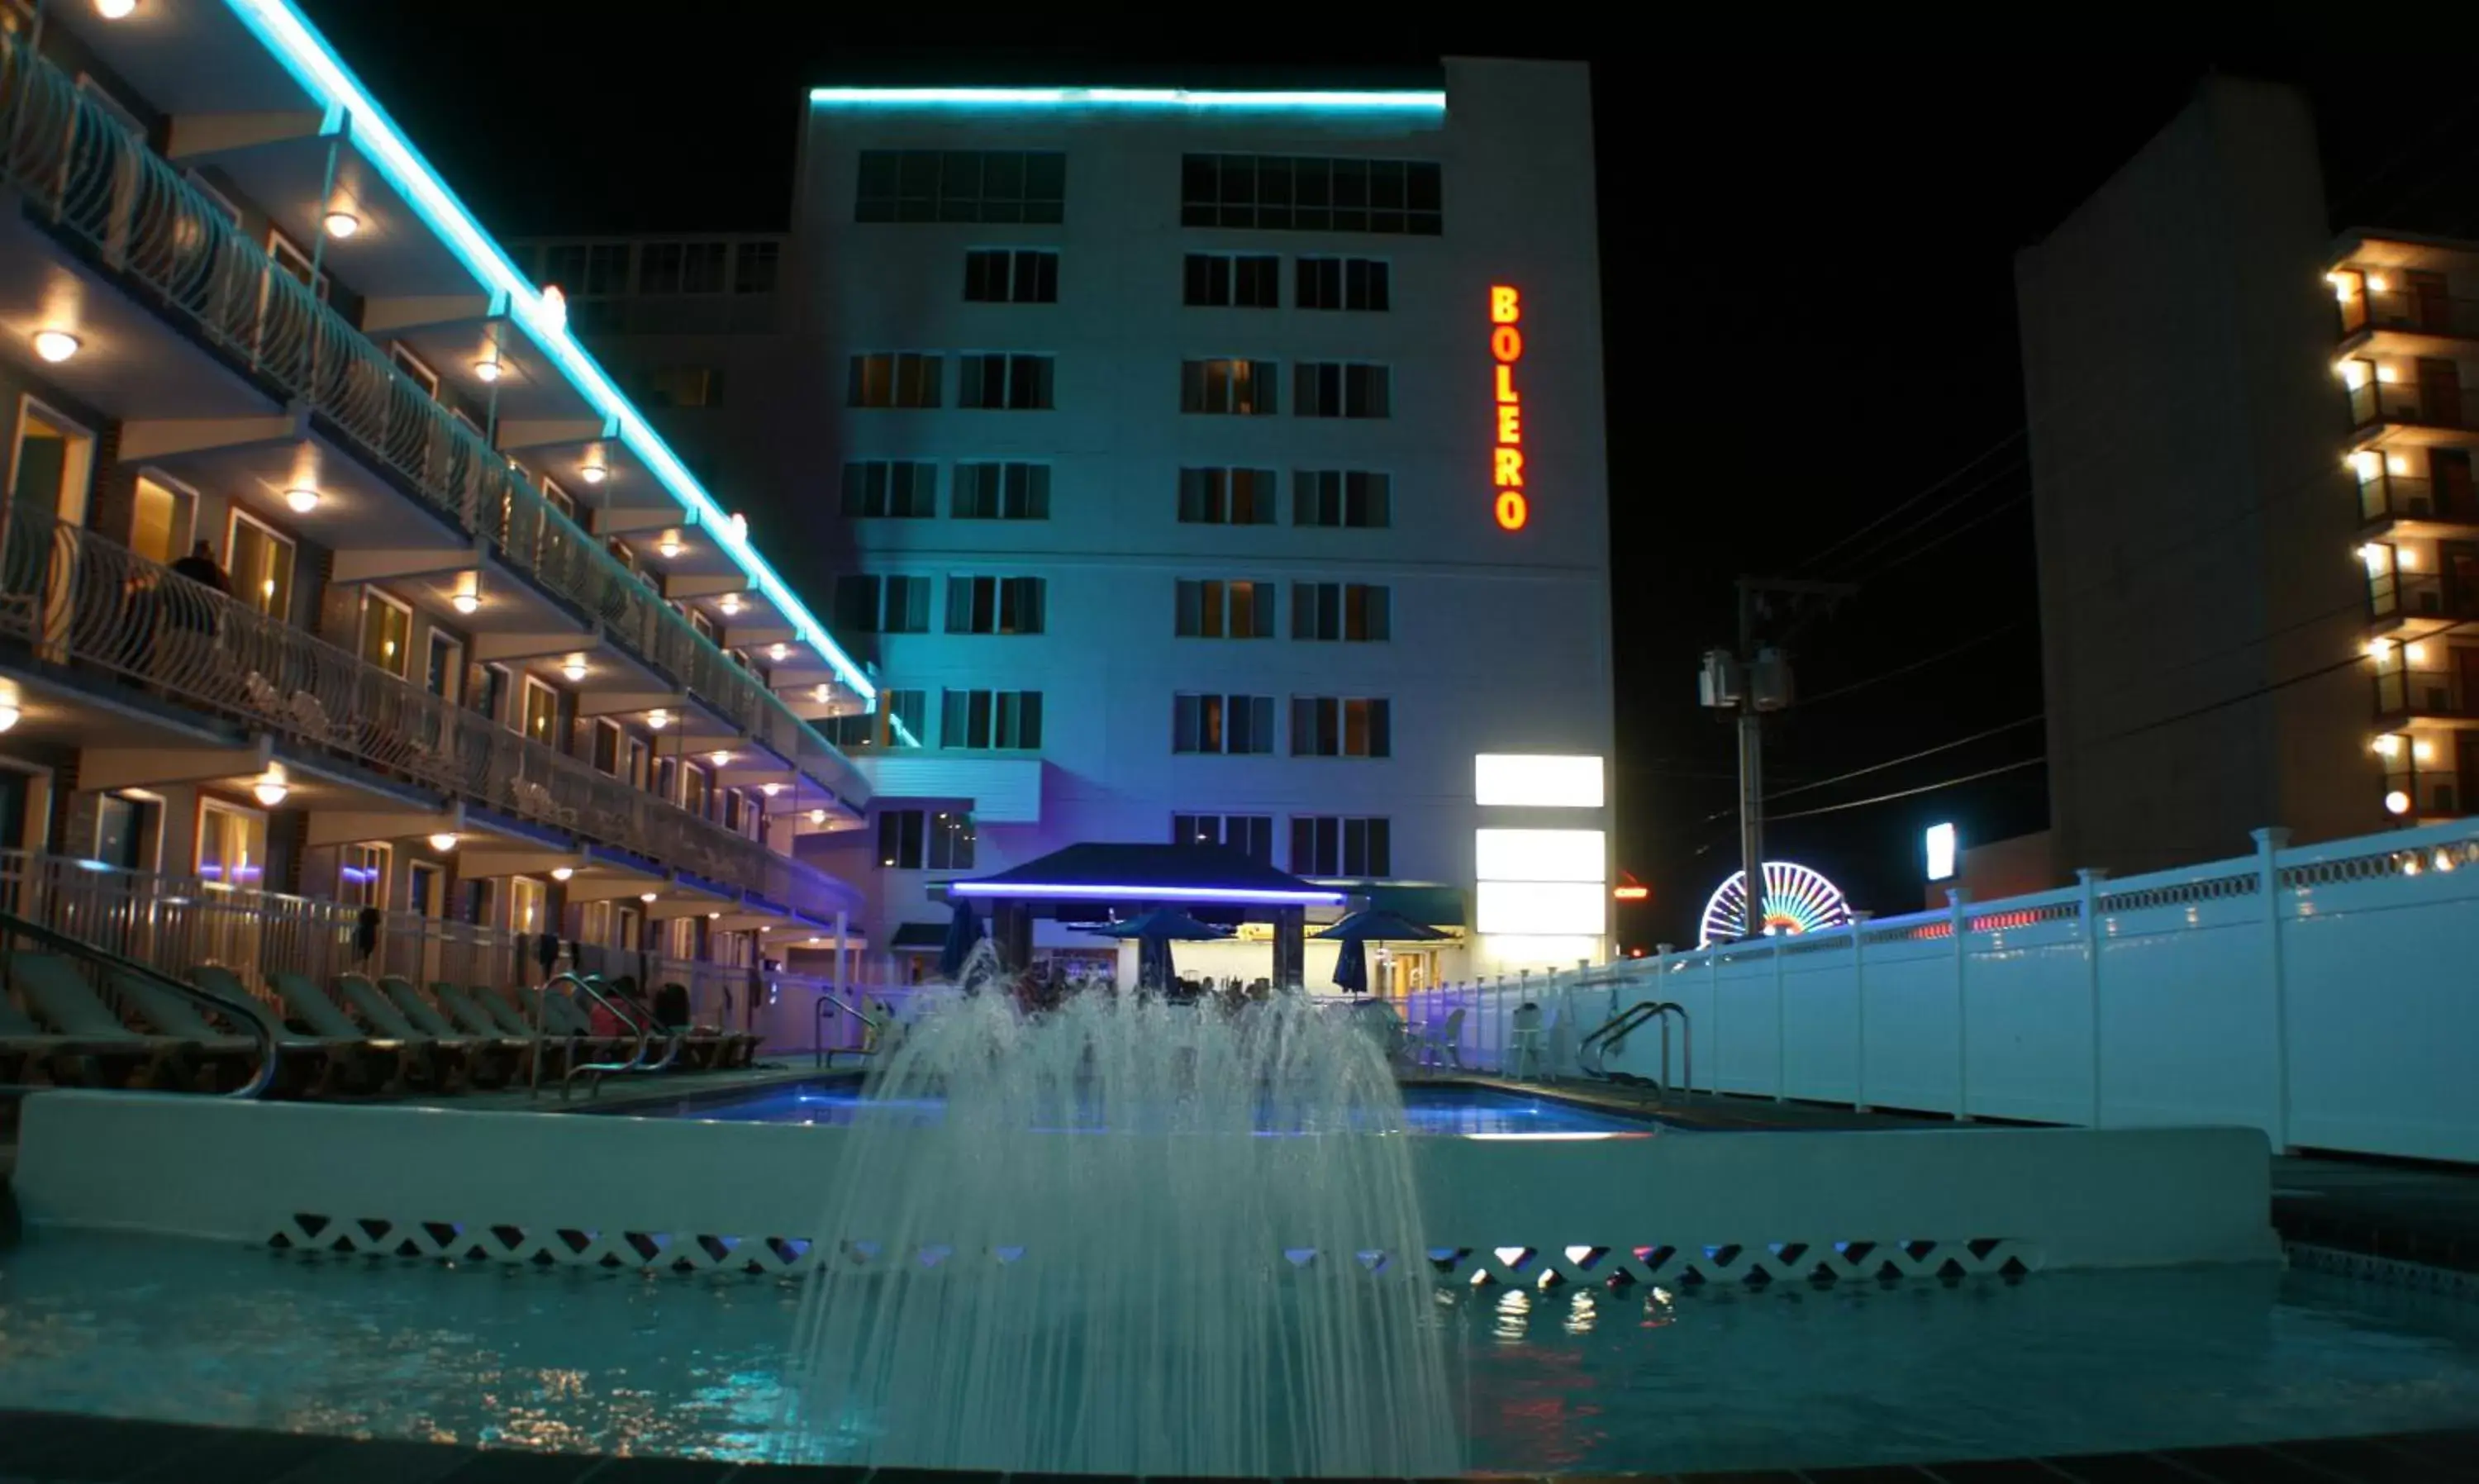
<point>1512,508</point>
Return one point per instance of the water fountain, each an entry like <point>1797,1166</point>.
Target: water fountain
<point>1144,1239</point>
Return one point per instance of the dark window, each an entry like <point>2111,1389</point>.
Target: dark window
<point>961,184</point>
<point>702,268</point>
<point>1303,193</point>
<point>1356,612</point>
<point>1245,387</point>
<point>993,719</point>
<point>1339,726</point>
<point>754,267</point>
<point>1341,388</point>
<point>1223,724</point>
<point>1215,608</point>
<point>658,268</point>
<point>1008,381</point>
<point>1226,496</point>
<point>1330,845</point>
<point>1000,275</point>
<point>869,604</point>
<point>895,378</point>
<point>901,489</point>
<point>1234,281</point>
<point>1342,283</point>
<point>1341,496</point>
<point>900,843</point>
<point>1002,492</point>
<point>1251,834</point>
<point>995,606</point>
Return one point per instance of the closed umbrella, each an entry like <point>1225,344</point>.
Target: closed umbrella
<point>1155,932</point>
<point>1360,929</point>
<point>1351,965</point>
<point>963,931</point>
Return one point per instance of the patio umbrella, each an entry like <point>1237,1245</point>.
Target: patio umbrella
<point>1351,965</point>
<point>1373,925</point>
<point>1155,932</point>
<point>963,931</point>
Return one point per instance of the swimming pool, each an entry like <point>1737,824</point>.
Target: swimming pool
<point>1564,1381</point>
<point>1445,1110</point>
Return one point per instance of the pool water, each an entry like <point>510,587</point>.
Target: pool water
<point>1465,1112</point>
<point>1561,1381</point>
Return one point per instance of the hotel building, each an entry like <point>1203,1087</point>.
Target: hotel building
<point>1215,467</point>
<point>352,616</point>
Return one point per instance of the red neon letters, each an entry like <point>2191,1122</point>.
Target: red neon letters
<point>1506,348</point>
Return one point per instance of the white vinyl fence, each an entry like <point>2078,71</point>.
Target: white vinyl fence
<point>2328,996</point>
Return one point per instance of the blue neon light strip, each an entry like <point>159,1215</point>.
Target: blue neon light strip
<point>1429,101</point>
<point>305,53</point>
<point>1137,893</point>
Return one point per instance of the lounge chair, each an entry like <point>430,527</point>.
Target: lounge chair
<point>1445,1040</point>
<point>177,1015</point>
<point>346,1064</point>
<point>106,1050</point>
<point>451,1058</point>
<point>469,1011</point>
<point>325,1022</point>
<point>492,1054</point>
<point>26,1049</point>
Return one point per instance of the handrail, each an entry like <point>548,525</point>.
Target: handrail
<point>819,1055</point>
<point>261,1026</point>
<point>592,986</point>
<point>1589,1051</point>
<point>143,221</point>
<point>76,596</point>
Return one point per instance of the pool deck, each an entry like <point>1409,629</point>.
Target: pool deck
<point>38,1447</point>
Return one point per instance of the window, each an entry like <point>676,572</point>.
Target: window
<point>528,905</point>
<point>420,375</point>
<point>1328,845</point>
<point>896,379</point>
<point>1002,492</point>
<point>261,567</point>
<point>1233,280</point>
<point>1351,498</point>
<point>702,268</point>
<point>1341,388</point>
<point>291,259</point>
<point>1223,724</point>
<point>682,386</point>
<point>1299,194</point>
<point>1342,283</point>
<point>961,185</point>
<point>934,839</point>
<point>1244,387</point>
<point>995,606</point>
<point>232,846</point>
<point>492,699</point>
<point>542,712</point>
<point>866,603</point>
<point>607,269</point>
<point>754,267</point>
<point>658,268</point>
<point>387,633</point>
<point>444,676</point>
<point>362,874</point>
<point>1009,719</point>
<point>607,746</point>
<point>1002,276</point>
<point>161,518</point>
<point>1354,612</point>
<point>898,722</point>
<point>1226,496</point>
<point>1221,608</point>
<point>899,490</point>
<point>1339,726</point>
<point>696,792</point>
<point>1250,834</point>
<point>1004,380</point>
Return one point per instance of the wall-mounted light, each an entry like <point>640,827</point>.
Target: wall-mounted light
<point>342,224</point>
<point>303,498</point>
<point>2422,751</point>
<point>272,786</point>
<point>574,667</point>
<point>115,10</point>
<point>777,652</point>
<point>443,841</point>
<point>2396,802</point>
<point>56,346</point>
<point>2416,653</point>
<point>2388,374</point>
<point>488,369</point>
<point>595,472</point>
<point>2388,745</point>
<point>658,719</point>
<point>669,545</point>
<point>562,872</point>
<point>2365,464</point>
<point>2376,283</point>
<point>2395,463</point>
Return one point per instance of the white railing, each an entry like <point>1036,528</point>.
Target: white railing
<point>144,224</point>
<point>2324,995</point>
<point>75,599</point>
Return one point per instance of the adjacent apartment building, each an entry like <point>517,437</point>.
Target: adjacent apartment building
<point>1189,466</point>
<point>2251,472</point>
<point>352,616</point>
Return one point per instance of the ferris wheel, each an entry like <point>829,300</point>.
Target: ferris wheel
<point>1796,900</point>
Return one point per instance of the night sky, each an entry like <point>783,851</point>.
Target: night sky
<point>1807,284</point>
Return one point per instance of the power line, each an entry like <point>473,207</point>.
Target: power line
<point>1890,540</point>
<point>1966,645</point>
<point>1923,788</point>
<point>1896,762</point>
<point>1968,466</point>
<point>1983,518</point>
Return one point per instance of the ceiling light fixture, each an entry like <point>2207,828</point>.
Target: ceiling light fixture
<point>443,841</point>
<point>488,369</point>
<point>658,719</point>
<point>646,897</point>
<point>574,669</point>
<point>56,346</point>
<point>769,790</point>
<point>343,224</point>
<point>9,714</point>
<point>115,10</point>
<point>718,757</point>
<point>303,498</point>
<point>466,602</point>
<point>595,472</point>
<point>562,872</point>
<point>729,604</point>
<point>817,816</point>
<point>271,788</point>
<point>669,546</point>
<point>777,652</point>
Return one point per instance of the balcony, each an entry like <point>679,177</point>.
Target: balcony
<point>2408,411</point>
<point>2404,318</point>
<point>74,604</point>
<point>2409,507</point>
<point>136,222</point>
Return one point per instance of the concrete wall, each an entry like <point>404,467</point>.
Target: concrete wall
<point>2194,521</point>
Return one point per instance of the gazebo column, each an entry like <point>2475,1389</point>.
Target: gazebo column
<point>1012,933</point>
<point>1291,947</point>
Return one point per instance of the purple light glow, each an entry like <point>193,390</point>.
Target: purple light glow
<point>1083,893</point>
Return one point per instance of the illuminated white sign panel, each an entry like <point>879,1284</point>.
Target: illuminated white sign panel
<point>1541,855</point>
<point>1544,908</point>
<point>1538,780</point>
<point>1941,844</point>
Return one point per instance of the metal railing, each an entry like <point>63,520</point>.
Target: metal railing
<point>2427,404</point>
<point>144,224</point>
<point>2403,309</point>
<point>74,599</point>
<point>2423,691</point>
<point>255,1020</point>
<point>2391,497</point>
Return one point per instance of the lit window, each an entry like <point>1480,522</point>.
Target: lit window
<point>1232,386</point>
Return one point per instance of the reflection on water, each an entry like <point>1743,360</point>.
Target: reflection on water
<point>1575,1379</point>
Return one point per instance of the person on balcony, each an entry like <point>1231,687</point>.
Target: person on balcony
<point>199,567</point>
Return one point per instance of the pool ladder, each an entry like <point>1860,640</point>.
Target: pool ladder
<point>824,1054</point>
<point>1613,1033</point>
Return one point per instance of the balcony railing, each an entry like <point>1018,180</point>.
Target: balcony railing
<point>2427,404</point>
<point>2403,309</point>
<point>75,599</point>
<point>2391,497</point>
<point>2424,692</point>
<point>116,200</point>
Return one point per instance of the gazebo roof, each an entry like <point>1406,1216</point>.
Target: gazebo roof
<point>1149,873</point>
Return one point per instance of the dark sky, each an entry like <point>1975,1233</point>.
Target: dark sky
<point>1807,286</point>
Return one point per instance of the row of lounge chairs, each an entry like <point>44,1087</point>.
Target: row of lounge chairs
<point>370,1037</point>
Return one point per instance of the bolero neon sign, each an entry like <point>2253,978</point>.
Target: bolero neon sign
<point>1512,508</point>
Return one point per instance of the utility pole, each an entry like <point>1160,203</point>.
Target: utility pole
<point>1753,679</point>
